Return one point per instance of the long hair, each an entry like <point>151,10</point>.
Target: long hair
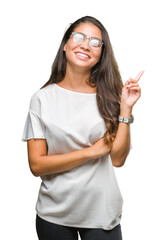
<point>105,77</point>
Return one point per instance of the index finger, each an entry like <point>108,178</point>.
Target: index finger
<point>137,78</point>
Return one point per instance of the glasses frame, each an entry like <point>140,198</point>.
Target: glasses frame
<point>86,37</point>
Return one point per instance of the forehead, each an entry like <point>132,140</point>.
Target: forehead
<point>89,29</point>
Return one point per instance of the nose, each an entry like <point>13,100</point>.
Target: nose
<point>85,44</point>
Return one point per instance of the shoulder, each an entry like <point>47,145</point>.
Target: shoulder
<point>41,95</point>
<point>43,92</point>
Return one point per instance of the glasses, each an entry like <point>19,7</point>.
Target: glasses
<point>94,43</point>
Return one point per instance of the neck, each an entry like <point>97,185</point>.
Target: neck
<point>76,79</point>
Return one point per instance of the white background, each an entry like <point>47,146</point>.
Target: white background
<point>31,32</point>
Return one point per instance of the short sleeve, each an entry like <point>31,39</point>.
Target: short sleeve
<point>34,127</point>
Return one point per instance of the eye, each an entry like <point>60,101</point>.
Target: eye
<point>78,37</point>
<point>95,42</point>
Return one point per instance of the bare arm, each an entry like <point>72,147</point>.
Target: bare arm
<point>131,92</point>
<point>43,164</point>
<point>121,144</point>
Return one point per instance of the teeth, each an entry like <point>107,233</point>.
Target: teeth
<point>82,55</point>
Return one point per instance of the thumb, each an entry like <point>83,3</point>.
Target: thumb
<point>127,83</point>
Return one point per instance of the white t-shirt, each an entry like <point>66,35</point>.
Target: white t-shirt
<point>88,195</point>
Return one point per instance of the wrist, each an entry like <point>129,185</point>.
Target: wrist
<point>90,152</point>
<point>126,119</point>
<point>125,111</point>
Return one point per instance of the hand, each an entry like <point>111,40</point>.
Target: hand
<point>100,148</point>
<point>131,92</point>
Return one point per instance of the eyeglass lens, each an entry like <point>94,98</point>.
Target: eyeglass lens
<point>94,42</point>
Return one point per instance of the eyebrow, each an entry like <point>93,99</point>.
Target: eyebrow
<point>88,36</point>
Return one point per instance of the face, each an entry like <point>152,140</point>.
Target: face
<point>81,54</point>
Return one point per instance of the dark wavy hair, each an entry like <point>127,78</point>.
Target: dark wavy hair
<point>105,76</point>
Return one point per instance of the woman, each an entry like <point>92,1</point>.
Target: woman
<point>77,129</point>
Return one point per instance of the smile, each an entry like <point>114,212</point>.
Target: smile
<point>82,55</point>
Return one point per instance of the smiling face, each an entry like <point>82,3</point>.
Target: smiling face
<point>81,55</point>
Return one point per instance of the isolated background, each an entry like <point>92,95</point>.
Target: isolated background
<point>31,32</point>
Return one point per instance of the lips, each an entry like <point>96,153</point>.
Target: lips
<point>82,55</point>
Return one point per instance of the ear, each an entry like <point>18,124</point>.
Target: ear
<point>64,49</point>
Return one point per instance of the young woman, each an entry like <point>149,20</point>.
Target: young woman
<point>77,129</point>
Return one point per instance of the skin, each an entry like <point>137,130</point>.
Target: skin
<point>131,92</point>
<point>77,73</point>
<point>79,67</point>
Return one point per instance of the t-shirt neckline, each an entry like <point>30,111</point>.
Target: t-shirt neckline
<point>67,90</point>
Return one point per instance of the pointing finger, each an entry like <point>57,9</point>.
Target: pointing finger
<point>137,78</point>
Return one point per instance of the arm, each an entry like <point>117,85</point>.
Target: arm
<point>121,144</point>
<point>43,164</point>
<point>131,92</point>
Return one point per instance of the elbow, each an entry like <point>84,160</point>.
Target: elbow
<point>34,168</point>
<point>34,171</point>
<point>118,163</point>
<point>118,160</point>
